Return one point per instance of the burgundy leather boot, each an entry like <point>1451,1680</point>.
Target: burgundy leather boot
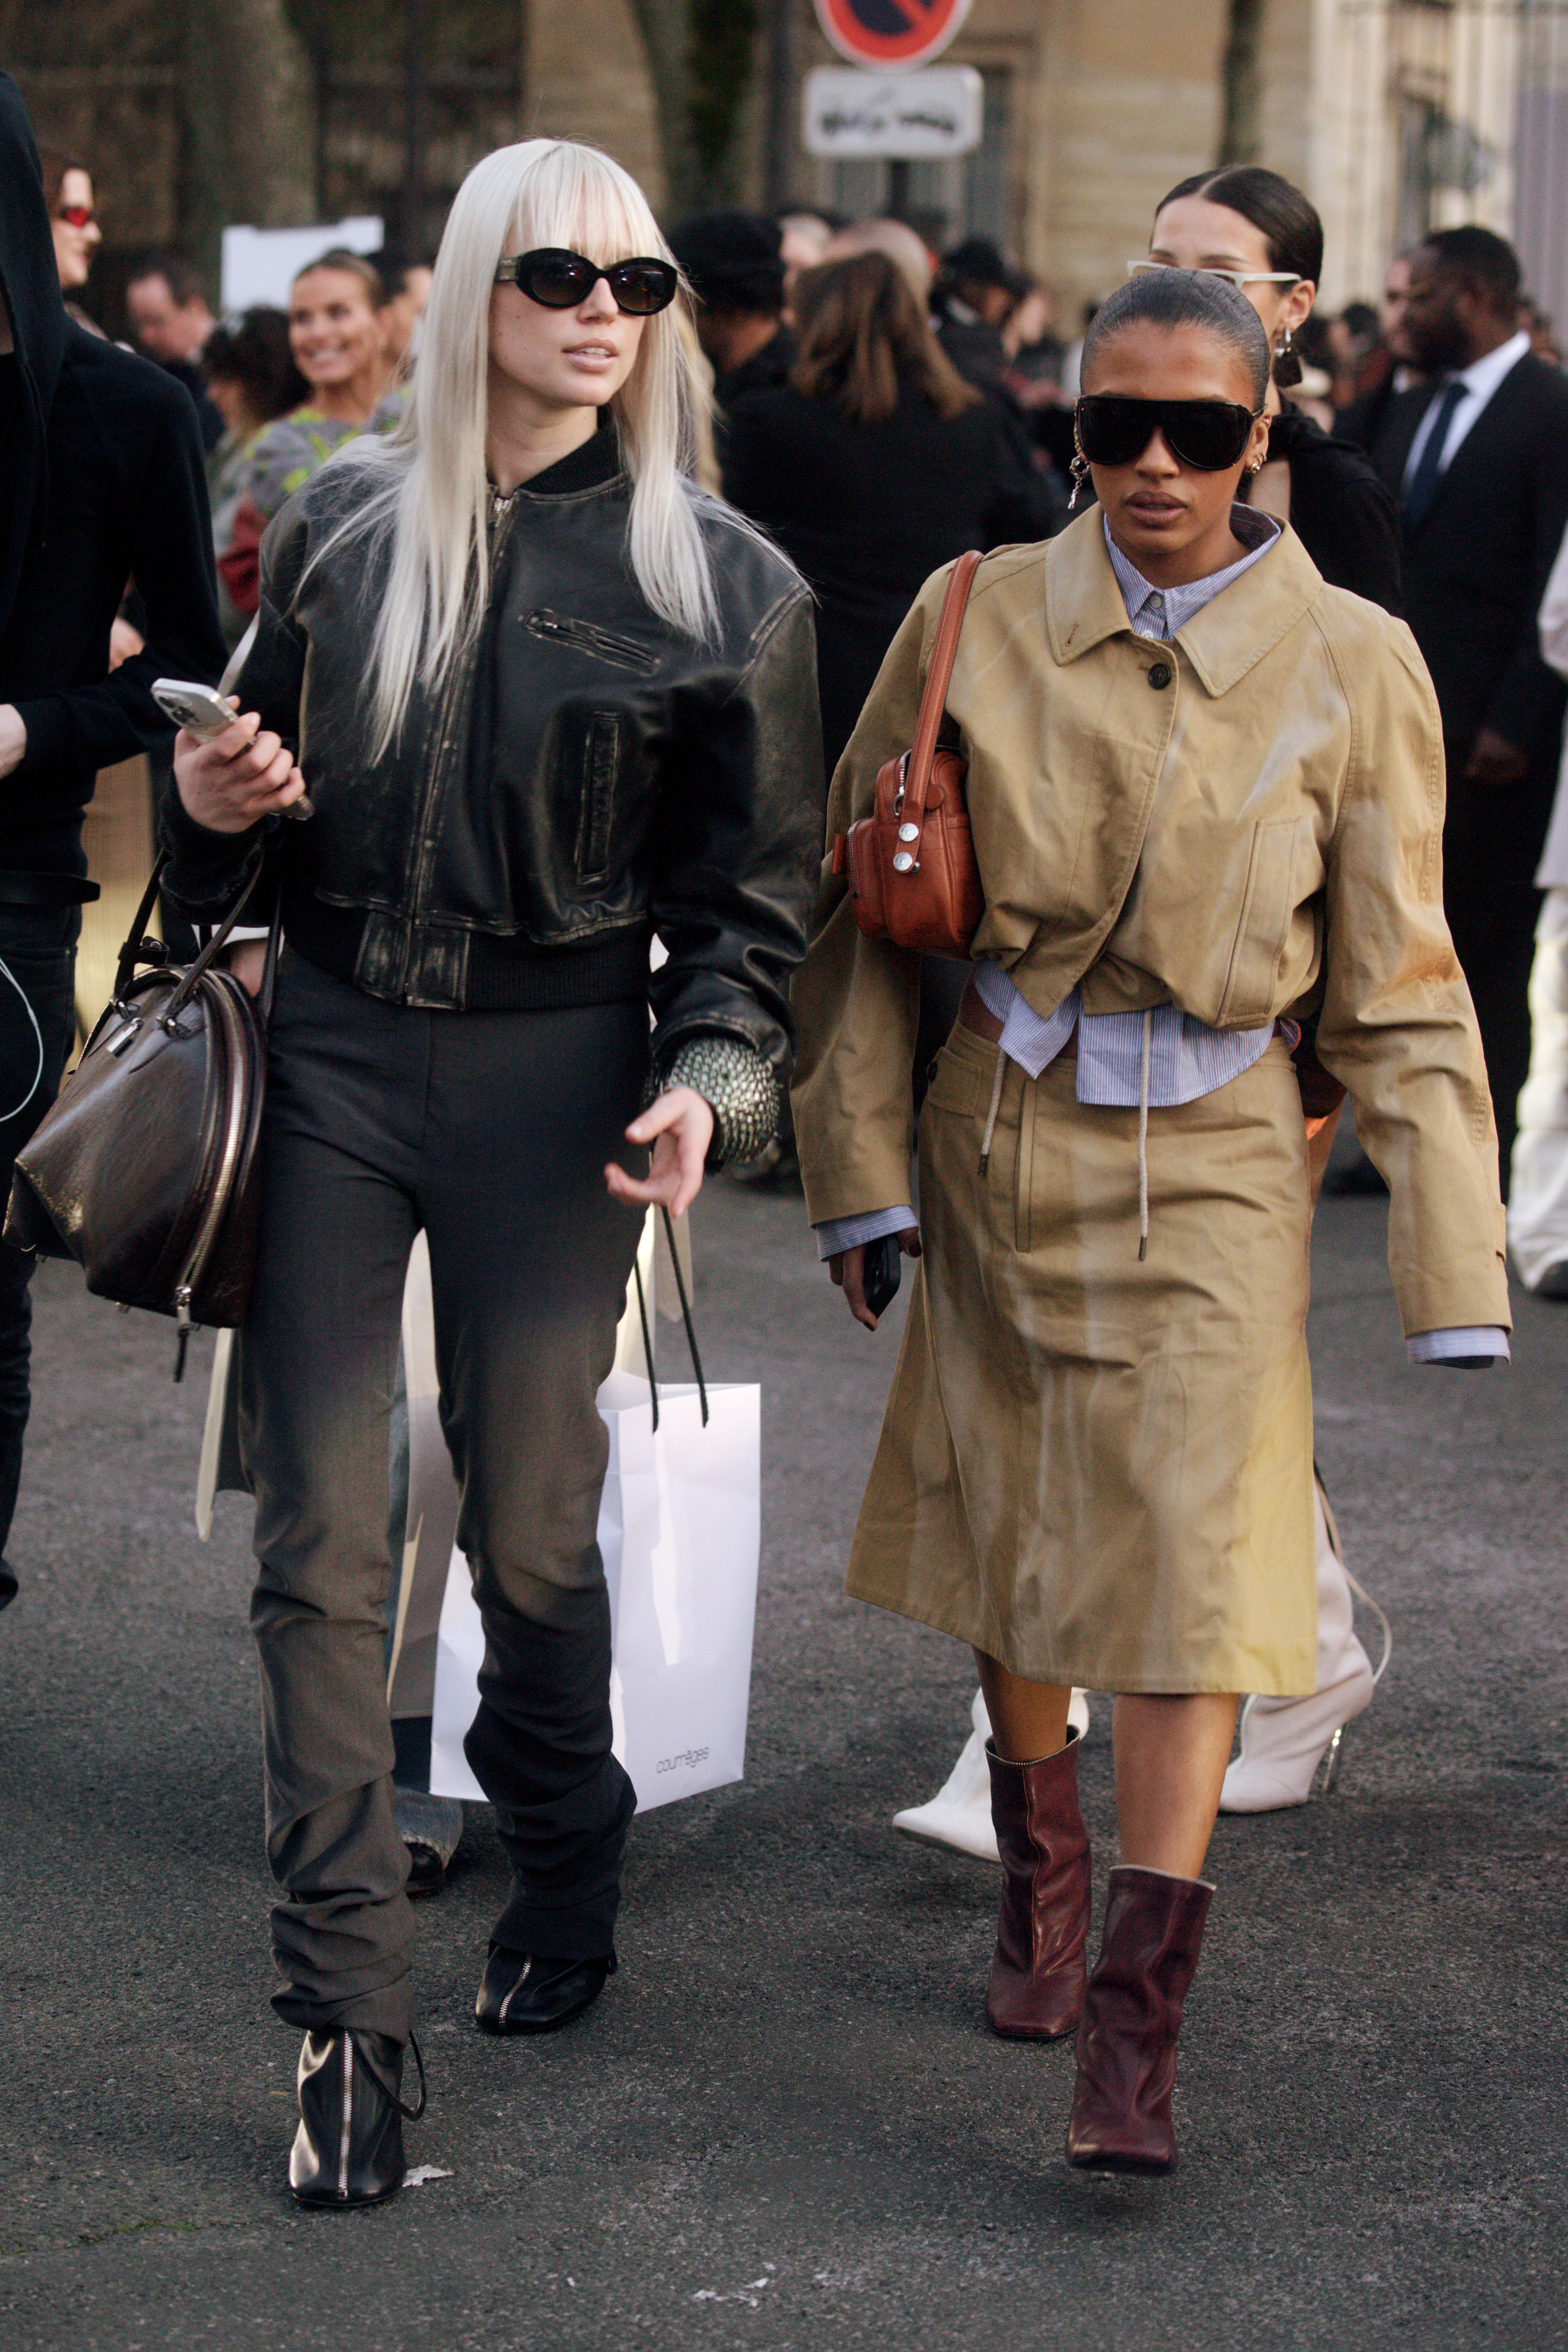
<point>1131,2016</point>
<point>1035,1993</point>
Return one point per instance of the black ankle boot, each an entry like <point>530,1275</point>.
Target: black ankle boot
<point>520,1994</point>
<point>348,2150</point>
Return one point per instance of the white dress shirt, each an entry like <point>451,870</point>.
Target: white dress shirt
<point>1480,380</point>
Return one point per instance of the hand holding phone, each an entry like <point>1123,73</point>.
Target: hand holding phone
<point>869,1273</point>
<point>880,1274</point>
<point>204,713</point>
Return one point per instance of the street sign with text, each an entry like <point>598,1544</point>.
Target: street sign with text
<point>936,111</point>
<point>892,34</point>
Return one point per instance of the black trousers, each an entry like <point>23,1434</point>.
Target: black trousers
<point>490,1131</point>
<point>1490,848</point>
<point>38,1022</point>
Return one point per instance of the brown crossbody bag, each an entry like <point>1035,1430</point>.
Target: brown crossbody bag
<point>911,864</point>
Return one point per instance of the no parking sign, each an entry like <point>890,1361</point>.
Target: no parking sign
<point>891,34</point>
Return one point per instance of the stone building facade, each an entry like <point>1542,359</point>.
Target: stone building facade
<point>1394,114</point>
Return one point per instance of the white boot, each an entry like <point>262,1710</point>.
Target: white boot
<point>1284,1740</point>
<point>959,1815</point>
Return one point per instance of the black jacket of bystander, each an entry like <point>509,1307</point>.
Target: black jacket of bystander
<point>869,512</point>
<point>101,480</point>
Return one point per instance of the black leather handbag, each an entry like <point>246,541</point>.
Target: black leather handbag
<point>144,1170</point>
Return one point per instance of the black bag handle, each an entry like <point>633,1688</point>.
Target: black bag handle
<point>685,1317</point>
<point>140,949</point>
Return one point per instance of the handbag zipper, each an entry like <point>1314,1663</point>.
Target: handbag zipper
<point>217,1199</point>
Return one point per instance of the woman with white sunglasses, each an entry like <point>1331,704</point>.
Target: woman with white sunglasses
<point>548,698</point>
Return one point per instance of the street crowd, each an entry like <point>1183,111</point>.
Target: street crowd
<point>562,569</point>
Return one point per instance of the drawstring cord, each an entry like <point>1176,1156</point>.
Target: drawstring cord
<point>1143,1138</point>
<point>996,1104</point>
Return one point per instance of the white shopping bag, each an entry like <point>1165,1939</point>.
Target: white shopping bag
<point>680,1529</point>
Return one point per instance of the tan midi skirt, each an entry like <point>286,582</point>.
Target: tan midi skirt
<point>1093,1467</point>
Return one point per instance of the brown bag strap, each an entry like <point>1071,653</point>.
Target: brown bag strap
<point>939,677</point>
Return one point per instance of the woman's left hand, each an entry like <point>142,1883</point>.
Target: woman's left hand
<point>679,1127</point>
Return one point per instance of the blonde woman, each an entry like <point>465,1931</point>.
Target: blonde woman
<point>548,696</point>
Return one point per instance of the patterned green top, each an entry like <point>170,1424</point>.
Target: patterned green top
<point>287,452</point>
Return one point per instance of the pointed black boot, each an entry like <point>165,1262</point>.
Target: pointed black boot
<point>520,1994</point>
<point>348,2150</point>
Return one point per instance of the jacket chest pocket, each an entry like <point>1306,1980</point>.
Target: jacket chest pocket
<point>1264,925</point>
<point>587,637</point>
<point>596,800</point>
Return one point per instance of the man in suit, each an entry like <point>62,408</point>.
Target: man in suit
<point>1480,470</point>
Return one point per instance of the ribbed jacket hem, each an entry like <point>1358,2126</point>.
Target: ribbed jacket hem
<point>503,975</point>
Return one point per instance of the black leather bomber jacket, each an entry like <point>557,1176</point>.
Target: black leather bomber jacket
<point>585,777</point>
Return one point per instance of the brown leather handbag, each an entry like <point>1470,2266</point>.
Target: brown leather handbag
<point>911,864</point>
<point>144,1170</point>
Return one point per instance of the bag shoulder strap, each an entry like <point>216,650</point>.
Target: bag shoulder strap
<point>939,677</point>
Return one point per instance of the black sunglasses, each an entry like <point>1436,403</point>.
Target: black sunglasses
<point>560,281</point>
<point>1207,434</point>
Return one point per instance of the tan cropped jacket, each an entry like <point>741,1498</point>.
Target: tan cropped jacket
<point>1244,822</point>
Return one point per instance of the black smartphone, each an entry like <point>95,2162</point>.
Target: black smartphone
<point>880,1276</point>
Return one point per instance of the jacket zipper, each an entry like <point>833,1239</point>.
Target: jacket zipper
<point>452,701</point>
<point>623,652</point>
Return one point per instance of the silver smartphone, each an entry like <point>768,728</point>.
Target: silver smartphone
<point>202,712</point>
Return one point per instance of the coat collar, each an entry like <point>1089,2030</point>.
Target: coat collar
<point>1084,606</point>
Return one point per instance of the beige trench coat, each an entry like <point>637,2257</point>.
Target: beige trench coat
<point>1262,833</point>
<point>1244,823</point>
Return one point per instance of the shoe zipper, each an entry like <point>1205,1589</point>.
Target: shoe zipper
<point>625,652</point>
<point>348,2115</point>
<point>526,1969</point>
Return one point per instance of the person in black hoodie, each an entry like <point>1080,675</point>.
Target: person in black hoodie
<point>100,480</point>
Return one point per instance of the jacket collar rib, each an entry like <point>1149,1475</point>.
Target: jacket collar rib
<point>1084,606</point>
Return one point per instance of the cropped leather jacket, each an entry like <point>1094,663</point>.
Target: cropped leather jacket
<point>584,777</point>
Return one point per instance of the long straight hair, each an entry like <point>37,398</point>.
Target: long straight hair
<point>863,336</point>
<point>429,493</point>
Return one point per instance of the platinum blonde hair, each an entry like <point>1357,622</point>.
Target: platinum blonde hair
<point>429,493</point>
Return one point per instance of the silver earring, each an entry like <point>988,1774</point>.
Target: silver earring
<point>1078,469</point>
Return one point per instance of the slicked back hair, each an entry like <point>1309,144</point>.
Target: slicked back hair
<point>1183,297</point>
<point>1287,220</point>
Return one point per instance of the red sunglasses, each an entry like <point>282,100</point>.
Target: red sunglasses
<point>76,215</point>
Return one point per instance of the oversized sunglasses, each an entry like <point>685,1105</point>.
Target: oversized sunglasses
<point>1238,278</point>
<point>76,215</point>
<point>560,281</point>
<point>1207,434</point>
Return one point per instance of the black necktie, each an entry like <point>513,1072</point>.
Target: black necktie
<point>1419,489</point>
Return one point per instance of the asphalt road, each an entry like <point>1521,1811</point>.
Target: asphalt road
<point>785,2124</point>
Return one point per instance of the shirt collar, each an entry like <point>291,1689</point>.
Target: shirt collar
<point>1485,374</point>
<point>1160,612</point>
